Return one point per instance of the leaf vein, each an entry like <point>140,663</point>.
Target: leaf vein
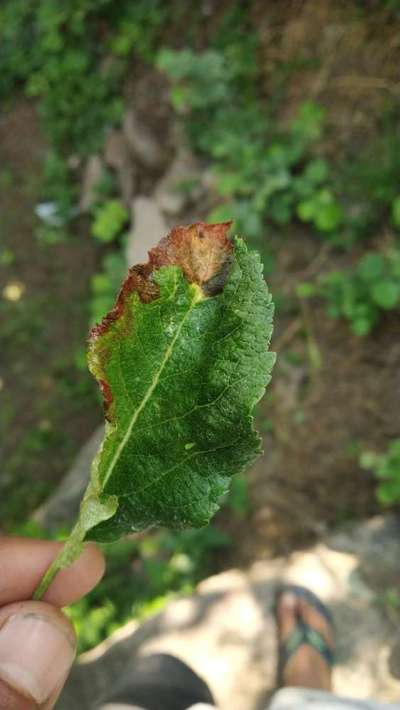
<point>146,397</point>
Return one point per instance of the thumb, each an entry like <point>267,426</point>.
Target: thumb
<point>37,649</point>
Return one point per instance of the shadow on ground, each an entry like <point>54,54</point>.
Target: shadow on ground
<point>226,631</point>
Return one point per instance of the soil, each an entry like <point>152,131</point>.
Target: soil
<point>48,405</point>
<point>343,55</point>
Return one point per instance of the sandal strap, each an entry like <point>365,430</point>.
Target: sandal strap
<point>311,599</point>
<point>302,635</point>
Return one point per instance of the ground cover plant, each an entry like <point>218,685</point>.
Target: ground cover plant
<point>181,361</point>
<point>362,294</point>
<point>386,468</point>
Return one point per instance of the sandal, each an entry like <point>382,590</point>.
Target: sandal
<point>303,634</point>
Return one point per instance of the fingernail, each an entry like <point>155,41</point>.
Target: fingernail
<point>35,654</point>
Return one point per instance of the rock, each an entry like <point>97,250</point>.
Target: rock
<point>222,632</point>
<point>117,155</point>
<point>61,509</point>
<point>116,149</point>
<point>377,545</point>
<point>148,227</point>
<point>180,184</point>
<point>142,143</point>
<point>226,630</point>
<point>127,183</point>
<point>91,177</point>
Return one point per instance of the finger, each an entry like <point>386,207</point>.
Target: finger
<point>23,563</point>
<point>37,649</point>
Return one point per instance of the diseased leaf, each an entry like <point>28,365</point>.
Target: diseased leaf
<point>182,359</point>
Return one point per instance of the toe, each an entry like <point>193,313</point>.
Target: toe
<point>287,609</point>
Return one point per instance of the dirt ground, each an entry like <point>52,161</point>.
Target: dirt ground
<point>48,405</point>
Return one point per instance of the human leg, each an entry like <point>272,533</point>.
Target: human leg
<point>159,682</point>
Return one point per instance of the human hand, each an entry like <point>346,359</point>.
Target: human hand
<point>37,642</point>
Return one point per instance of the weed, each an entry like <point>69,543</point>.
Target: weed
<point>271,177</point>
<point>386,468</point>
<point>72,58</point>
<point>363,294</point>
<point>110,218</point>
<point>143,574</point>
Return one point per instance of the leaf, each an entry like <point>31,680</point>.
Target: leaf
<point>386,294</point>
<point>328,213</point>
<point>110,218</point>
<point>306,210</point>
<point>316,171</point>
<point>182,361</point>
<point>371,267</point>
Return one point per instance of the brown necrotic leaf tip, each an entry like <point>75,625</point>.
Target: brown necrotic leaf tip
<point>203,252</point>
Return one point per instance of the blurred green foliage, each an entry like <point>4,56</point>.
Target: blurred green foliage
<point>368,184</point>
<point>110,218</point>
<point>270,176</point>
<point>72,56</point>
<point>386,468</point>
<point>360,294</point>
<point>143,574</point>
<point>393,5</point>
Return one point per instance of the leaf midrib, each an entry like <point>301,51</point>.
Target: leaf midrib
<point>147,396</point>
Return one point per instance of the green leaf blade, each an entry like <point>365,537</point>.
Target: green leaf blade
<point>182,370</point>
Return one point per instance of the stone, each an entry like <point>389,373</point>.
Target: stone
<point>181,184</point>
<point>142,143</point>
<point>118,156</point>
<point>377,545</point>
<point>148,227</point>
<point>116,149</point>
<point>226,630</point>
<point>127,183</point>
<point>62,507</point>
<point>92,175</point>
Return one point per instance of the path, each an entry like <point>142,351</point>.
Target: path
<point>226,631</point>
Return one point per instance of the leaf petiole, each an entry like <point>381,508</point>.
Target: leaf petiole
<point>71,550</point>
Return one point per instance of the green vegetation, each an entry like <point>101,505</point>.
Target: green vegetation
<point>386,468</point>
<point>278,176</point>
<point>109,220</point>
<point>362,294</point>
<point>275,176</point>
<point>72,58</point>
<point>59,52</point>
<point>270,177</point>
<point>143,574</point>
<point>393,5</point>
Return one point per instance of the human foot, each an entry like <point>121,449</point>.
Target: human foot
<point>305,640</point>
